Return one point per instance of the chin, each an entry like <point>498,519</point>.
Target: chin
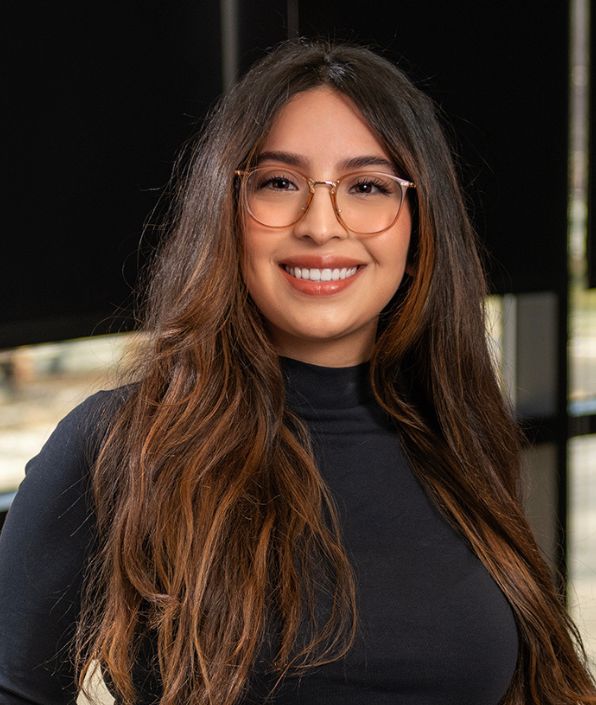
<point>315,334</point>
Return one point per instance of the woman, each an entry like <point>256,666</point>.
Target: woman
<point>312,490</point>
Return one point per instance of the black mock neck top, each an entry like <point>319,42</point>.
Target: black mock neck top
<point>434,627</point>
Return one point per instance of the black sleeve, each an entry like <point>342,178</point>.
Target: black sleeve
<point>44,544</point>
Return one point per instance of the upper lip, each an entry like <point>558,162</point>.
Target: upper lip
<point>320,261</point>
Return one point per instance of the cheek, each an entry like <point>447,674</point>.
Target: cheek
<point>391,255</point>
<point>250,255</point>
<point>256,270</point>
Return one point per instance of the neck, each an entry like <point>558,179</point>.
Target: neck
<point>341,352</point>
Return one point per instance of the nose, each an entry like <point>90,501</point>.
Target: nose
<point>320,222</point>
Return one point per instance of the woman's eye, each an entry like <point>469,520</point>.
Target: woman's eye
<point>372,187</point>
<point>278,183</point>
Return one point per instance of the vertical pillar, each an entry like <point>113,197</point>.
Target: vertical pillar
<point>532,362</point>
<point>229,42</point>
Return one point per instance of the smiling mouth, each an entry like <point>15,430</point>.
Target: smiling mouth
<point>323,275</point>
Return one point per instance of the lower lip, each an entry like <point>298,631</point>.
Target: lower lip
<point>320,288</point>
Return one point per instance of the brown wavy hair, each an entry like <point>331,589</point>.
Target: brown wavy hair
<point>213,520</point>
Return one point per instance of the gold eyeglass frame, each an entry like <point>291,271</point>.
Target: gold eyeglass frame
<point>403,183</point>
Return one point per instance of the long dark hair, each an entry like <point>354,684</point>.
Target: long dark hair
<point>212,515</point>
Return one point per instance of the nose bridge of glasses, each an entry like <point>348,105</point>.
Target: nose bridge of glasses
<point>314,182</point>
<point>308,208</point>
<point>332,186</point>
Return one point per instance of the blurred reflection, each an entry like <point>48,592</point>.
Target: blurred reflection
<point>582,544</point>
<point>40,384</point>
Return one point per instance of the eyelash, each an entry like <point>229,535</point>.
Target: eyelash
<point>377,184</point>
<point>271,179</point>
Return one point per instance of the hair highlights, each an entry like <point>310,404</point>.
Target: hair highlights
<point>214,523</point>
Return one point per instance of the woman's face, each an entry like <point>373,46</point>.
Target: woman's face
<point>317,133</point>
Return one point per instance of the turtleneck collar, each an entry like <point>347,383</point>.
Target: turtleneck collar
<point>318,387</point>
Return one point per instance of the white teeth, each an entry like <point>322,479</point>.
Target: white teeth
<point>324,275</point>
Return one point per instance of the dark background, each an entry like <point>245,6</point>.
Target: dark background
<point>99,97</point>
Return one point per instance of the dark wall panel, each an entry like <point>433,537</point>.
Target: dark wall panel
<point>98,100</point>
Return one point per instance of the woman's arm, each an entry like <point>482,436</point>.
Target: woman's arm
<point>47,536</point>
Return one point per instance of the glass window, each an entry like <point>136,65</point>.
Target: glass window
<point>582,539</point>
<point>40,384</point>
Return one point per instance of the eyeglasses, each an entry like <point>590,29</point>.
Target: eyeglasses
<point>365,202</point>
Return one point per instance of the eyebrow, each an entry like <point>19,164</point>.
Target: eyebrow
<point>367,160</point>
<point>285,157</point>
<point>292,159</point>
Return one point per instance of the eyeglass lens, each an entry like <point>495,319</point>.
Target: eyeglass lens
<point>368,202</point>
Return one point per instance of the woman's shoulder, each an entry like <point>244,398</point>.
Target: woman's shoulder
<point>93,414</point>
<point>99,404</point>
<point>53,505</point>
<point>87,422</point>
<point>68,453</point>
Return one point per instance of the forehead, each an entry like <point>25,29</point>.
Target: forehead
<point>322,124</point>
